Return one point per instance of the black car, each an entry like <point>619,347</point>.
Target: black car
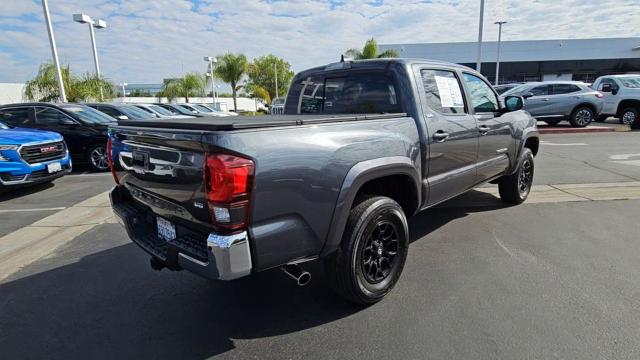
<point>84,129</point>
<point>122,111</point>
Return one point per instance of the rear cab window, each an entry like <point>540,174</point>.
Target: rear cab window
<point>351,93</point>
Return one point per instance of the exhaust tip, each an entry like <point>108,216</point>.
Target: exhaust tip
<point>295,272</point>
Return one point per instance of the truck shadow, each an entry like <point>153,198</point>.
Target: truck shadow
<point>430,220</point>
<point>110,304</point>
<point>23,191</point>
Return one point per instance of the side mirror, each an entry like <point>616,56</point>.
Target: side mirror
<point>513,103</point>
<point>122,117</point>
<point>607,88</point>
<point>67,122</point>
<point>527,95</point>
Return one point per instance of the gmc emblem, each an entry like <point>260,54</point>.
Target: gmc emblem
<point>48,149</point>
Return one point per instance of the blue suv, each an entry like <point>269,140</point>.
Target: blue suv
<point>30,156</point>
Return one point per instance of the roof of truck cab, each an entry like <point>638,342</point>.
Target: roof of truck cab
<point>250,122</point>
<point>382,63</point>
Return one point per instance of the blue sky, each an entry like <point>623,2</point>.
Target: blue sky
<point>148,40</point>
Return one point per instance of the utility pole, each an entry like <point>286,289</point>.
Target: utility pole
<point>54,51</point>
<point>499,23</point>
<point>275,70</point>
<point>479,61</point>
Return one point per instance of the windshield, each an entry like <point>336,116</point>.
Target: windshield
<point>202,108</point>
<point>631,82</point>
<point>187,108</point>
<point>87,114</point>
<point>134,112</point>
<point>160,110</point>
<point>3,126</point>
<point>518,90</point>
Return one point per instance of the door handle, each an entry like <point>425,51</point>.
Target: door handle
<point>546,99</point>
<point>483,129</point>
<point>440,135</point>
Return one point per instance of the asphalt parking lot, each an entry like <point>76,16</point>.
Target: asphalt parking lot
<point>556,277</point>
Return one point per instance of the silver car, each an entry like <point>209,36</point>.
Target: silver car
<point>554,101</point>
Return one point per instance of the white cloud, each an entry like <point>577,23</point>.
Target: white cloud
<point>150,40</point>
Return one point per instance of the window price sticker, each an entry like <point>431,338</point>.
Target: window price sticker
<point>450,94</point>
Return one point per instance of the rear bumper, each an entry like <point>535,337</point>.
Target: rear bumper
<point>213,256</point>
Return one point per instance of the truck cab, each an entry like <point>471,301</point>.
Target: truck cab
<point>621,98</point>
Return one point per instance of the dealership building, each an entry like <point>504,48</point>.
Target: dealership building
<point>536,60</point>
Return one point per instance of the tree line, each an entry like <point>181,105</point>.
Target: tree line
<point>256,79</point>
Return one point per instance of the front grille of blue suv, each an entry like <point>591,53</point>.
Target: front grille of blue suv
<point>29,156</point>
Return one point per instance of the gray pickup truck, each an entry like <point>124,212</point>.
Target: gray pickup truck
<point>361,146</point>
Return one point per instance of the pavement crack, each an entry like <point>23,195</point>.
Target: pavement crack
<point>570,193</point>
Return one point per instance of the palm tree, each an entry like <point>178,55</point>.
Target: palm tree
<point>370,51</point>
<point>190,85</point>
<point>44,86</point>
<point>231,68</point>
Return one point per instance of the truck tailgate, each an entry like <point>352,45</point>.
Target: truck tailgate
<point>163,170</point>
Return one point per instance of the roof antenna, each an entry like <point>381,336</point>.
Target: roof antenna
<point>342,58</point>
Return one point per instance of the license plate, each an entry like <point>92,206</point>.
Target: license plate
<point>166,229</point>
<point>54,167</point>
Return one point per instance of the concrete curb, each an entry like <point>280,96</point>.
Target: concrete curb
<point>28,244</point>
<point>588,129</point>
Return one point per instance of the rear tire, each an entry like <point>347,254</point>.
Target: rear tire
<point>630,116</point>
<point>373,251</point>
<point>552,122</point>
<point>581,116</point>
<point>515,188</point>
<point>97,157</point>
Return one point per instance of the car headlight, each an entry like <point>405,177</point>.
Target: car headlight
<point>9,148</point>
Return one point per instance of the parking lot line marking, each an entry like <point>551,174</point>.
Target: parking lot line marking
<point>36,209</point>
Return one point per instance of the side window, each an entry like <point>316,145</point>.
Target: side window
<point>540,90</point>
<point>443,92</point>
<point>482,96</point>
<point>15,116</point>
<point>48,116</point>
<point>559,89</point>
<point>610,81</point>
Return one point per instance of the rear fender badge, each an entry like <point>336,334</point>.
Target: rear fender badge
<point>199,205</point>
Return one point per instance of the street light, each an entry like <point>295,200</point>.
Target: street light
<point>124,93</point>
<point>275,70</point>
<point>54,51</point>
<point>212,60</point>
<point>499,23</point>
<point>98,24</point>
<point>479,60</point>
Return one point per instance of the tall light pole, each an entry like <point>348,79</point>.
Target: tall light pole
<point>275,70</point>
<point>98,24</point>
<point>124,93</point>
<point>54,51</point>
<point>499,23</point>
<point>212,60</point>
<point>479,60</point>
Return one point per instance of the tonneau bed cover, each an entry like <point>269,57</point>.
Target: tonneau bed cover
<point>212,123</point>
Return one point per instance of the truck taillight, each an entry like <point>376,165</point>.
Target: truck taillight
<point>112,168</point>
<point>228,182</point>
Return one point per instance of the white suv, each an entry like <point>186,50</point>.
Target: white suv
<point>621,97</point>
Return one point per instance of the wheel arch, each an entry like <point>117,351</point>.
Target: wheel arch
<point>585,104</point>
<point>396,177</point>
<point>626,104</point>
